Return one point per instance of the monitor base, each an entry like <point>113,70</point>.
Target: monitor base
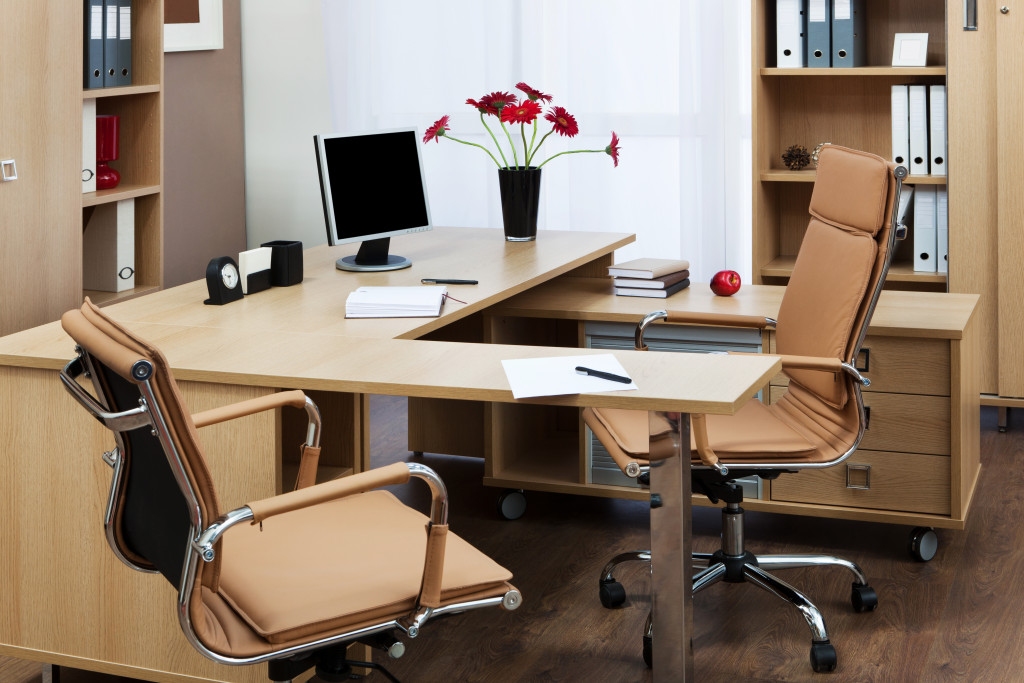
<point>394,262</point>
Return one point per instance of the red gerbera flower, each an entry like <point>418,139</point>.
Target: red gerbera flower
<point>496,101</point>
<point>613,149</point>
<point>565,123</point>
<point>482,108</point>
<point>533,94</point>
<point>523,112</point>
<point>437,130</point>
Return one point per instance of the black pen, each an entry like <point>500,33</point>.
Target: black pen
<point>580,370</point>
<point>442,281</point>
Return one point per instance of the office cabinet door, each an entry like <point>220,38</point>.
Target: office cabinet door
<point>40,119</point>
<point>1010,116</point>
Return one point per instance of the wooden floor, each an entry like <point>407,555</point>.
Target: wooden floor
<point>959,617</point>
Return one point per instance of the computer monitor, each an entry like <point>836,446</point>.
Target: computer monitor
<point>373,188</point>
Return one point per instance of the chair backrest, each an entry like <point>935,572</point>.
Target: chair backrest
<point>165,491</point>
<point>840,268</point>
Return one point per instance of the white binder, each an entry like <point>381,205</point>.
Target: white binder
<point>937,128</point>
<point>790,33</point>
<point>942,229</point>
<point>901,125</point>
<point>925,238</point>
<point>108,247</point>
<point>89,145</point>
<point>918,129</point>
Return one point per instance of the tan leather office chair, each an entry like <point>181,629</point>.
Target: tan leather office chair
<point>819,422</point>
<point>292,579</point>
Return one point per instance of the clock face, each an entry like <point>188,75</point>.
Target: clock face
<point>229,274</point>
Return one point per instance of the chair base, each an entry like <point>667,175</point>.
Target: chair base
<point>733,564</point>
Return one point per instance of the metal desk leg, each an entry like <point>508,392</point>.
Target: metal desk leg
<point>671,562</point>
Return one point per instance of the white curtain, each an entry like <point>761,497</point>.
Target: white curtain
<point>670,77</point>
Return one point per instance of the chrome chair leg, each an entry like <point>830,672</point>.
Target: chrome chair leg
<point>701,560</point>
<point>707,577</point>
<point>622,558</point>
<point>792,561</point>
<point>780,588</point>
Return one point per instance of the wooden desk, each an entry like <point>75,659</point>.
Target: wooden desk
<point>67,600</point>
<point>923,439</point>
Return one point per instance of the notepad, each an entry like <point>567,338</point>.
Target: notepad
<point>395,302</point>
<point>555,376</point>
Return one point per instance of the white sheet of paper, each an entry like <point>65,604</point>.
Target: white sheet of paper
<point>556,376</point>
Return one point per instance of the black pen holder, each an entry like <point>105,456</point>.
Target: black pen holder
<point>285,262</point>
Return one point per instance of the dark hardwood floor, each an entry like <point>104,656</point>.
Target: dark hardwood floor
<point>959,617</point>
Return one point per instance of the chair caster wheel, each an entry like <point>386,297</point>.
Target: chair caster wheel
<point>823,657</point>
<point>512,504</point>
<point>612,594</point>
<point>924,543</point>
<point>648,651</point>
<point>863,597</point>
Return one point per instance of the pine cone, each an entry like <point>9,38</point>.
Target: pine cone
<point>796,158</point>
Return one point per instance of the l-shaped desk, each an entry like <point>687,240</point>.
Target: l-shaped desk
<point>65,599</point>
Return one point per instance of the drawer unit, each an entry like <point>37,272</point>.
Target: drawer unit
<point>899,365</point>
<point>903,482</point>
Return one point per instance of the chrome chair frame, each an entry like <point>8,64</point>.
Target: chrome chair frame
<point>203,536</point>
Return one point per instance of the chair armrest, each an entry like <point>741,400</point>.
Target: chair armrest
<point>719,319</point>
<point>295,399</point>
<point>699,425</point>
<point>309,457</point>
<point>398,473</point>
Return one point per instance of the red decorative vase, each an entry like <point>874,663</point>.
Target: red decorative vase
<point>107,149</point>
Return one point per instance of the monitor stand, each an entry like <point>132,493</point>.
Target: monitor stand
<point>373,256</point>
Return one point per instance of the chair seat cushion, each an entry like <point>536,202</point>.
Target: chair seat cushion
<point>341,563</point>
<point>754,432</point>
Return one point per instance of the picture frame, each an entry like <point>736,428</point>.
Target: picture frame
<point>910,49</point>
<point>207,34</point>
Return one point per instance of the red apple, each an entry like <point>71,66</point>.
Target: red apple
<point>725,283</point>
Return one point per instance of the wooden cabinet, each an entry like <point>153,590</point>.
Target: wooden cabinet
<point>42,214</point>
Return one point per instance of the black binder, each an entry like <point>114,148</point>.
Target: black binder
<point>93,43</point>
<point>124,43</point>
<point>110,43</point>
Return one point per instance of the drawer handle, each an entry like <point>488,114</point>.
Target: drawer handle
<point>867,418</point>
<point>866,469</point>
<point>865,364</point>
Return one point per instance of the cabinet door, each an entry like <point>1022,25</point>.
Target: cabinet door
<point>1010,115</point>
<point>40,124</point>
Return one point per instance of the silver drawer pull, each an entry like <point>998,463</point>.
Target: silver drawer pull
<point>8,170</point>
<point>866,469</point>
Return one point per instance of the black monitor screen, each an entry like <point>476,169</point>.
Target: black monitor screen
<point>375,185</point>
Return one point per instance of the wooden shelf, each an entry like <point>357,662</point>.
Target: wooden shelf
<point>898,272</point>
<point>778,175</point>
<point>105,298</point>
<point>881,71</point>
<point>95,93</point>
<point>122,191</point>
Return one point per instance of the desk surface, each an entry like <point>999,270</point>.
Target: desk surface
<point>903,314</point>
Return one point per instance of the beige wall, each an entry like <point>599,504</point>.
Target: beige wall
<point>204,167</point>
<point>286,102</point>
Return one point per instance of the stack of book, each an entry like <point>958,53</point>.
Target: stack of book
<point>653,277</point>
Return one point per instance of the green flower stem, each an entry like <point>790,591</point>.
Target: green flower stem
<point>473,144</point>
<point>501,123</point>
<point>532,140</point>
<point>493,138</point>
<point>526,148</point>
<point>534,153</point>
<point>572,151</point>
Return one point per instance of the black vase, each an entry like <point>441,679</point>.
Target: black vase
<point>520,202</point>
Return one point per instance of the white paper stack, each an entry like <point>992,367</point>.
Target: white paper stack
<point>396,302</point>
